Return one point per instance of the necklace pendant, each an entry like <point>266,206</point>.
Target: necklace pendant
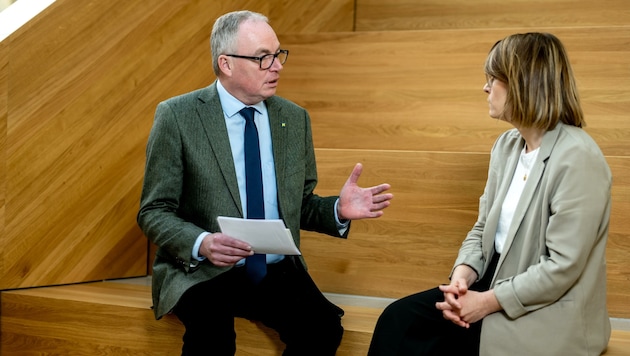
<point>525,177</point>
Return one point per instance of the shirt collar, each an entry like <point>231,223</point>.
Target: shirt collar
<point>230,105</point>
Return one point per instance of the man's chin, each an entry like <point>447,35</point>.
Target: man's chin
<point>269,91</point>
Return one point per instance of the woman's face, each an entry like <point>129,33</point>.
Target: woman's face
<point>497,94</point>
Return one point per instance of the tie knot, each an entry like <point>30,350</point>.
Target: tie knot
<point>247,113</point>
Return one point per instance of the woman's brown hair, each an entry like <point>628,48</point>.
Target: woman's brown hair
<point>541,85</point>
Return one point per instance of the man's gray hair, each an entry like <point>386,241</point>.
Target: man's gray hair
<point>225,33</point>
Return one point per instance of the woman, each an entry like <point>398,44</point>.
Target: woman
<point>530,277</point>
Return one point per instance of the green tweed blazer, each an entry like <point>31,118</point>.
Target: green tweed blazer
<point>190,180</point>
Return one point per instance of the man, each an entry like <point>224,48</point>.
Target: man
<point>196,171</point>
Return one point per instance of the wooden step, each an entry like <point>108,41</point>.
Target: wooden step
<point>115,318</point>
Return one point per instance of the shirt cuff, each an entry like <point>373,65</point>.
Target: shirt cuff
<point>195,250</point>
<point>342,226</point>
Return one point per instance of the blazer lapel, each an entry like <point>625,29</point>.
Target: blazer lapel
<point>278,126</point>
<point>492,221</point>
<point>213,122</point>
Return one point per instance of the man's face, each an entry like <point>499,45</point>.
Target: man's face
<point>245,80</point>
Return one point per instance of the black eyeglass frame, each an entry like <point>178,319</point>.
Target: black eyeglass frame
<point>261,58</point>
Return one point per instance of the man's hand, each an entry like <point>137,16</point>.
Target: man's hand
<point>223,250</point>
<point>360,203</point>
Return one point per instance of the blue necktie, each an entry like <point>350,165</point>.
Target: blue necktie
<point>256,265</point>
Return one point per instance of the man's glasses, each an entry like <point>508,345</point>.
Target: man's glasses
<point>266,61</point>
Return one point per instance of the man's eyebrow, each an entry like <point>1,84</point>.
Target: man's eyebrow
<point>261,51</point>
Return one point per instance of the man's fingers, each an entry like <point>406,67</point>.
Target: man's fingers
<point>356,173</point>
<point>381,188</point>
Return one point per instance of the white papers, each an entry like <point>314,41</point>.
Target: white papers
<point>265,236</point>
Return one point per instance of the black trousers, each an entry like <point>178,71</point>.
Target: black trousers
<point>413,326</point>
<point>287,300</point>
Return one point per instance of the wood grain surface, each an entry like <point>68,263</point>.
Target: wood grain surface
<point>108,318</point>
<point>422,90</point>
<point>78,88</point>
<point>393,15</point>
<point>403,95</point>
<point>112,318</point>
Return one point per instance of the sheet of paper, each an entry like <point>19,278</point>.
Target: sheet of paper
<point>265,236</point>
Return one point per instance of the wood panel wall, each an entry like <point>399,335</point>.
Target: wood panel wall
<point>410,106</point>
<point>79,85</point>
<point>378,15</point>
<point>78,88</point>
<point>3,136</point>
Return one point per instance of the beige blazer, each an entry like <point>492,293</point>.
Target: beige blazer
<point>551,277</point>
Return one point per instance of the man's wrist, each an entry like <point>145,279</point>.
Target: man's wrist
<point>340,220</point>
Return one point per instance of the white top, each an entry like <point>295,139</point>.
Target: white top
<point>525,163</point>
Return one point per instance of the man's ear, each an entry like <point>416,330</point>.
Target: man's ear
<point>225,65</point>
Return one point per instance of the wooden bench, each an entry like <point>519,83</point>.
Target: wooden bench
<point>115,318</point>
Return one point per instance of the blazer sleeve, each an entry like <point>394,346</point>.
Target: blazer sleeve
<point>317,212</point>
<point>162,189</point>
